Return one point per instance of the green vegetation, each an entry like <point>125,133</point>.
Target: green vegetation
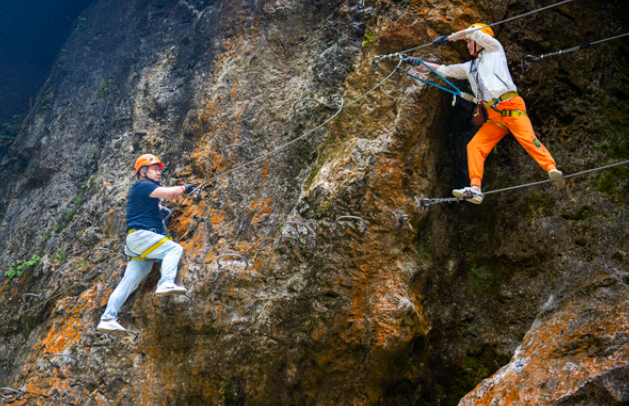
<point>44,238</point>
<point>46,101</point>
<point>27,331</point>
<point>485,279</point>
<point>612,181</point>
<point>69,214</point>
<point>104,90</point>
<point>62,55</point>
<point>329,148</point>
<point>369,39</point>
<point>67,218</point>
<point>80,24</point>
<point>11,129</point>
<point>425,257</point>
<point>226,393</point>
<point>19,267</point>
<point>584,213</point>
<point>60,256</point>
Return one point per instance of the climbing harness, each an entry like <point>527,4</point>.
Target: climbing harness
<point>528,60</point>
<point>143,255</point>
<point>379,58</point>
<point>500,99</point>
<point>425,202</point>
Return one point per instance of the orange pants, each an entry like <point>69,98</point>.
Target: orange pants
<point>490,134</point>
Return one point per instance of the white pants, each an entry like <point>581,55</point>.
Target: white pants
<point>137,243</point>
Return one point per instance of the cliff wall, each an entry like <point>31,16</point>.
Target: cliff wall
<point>315,274</point>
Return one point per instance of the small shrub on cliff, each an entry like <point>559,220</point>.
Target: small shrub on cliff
<point>11,129</point>
<point>369,39</point>
<point>18,268</point>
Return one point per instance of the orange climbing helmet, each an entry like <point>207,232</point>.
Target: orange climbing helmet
<point>147,160</point>
<point>486,30</point>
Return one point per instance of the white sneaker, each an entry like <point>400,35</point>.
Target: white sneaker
<point>107,326</point>
<point>170,288</point>
<point>472,194</point>
<point>557,177</point>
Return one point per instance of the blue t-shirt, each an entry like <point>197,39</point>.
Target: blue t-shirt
<point>142,210</point>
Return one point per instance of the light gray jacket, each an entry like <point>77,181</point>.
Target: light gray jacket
<point>491,66</point>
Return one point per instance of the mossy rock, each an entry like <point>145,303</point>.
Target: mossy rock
<point>540,205</point>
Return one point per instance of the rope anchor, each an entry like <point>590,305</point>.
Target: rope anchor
<point>237,256</point>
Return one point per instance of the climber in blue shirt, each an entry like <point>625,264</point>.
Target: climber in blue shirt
<point>146,239</point>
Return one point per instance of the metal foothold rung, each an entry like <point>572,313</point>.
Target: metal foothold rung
<point>341,218</point>
<point>101,249</point>
<point>4,389</point>
<point>218,259</point>
<point>297,224</point>
<point>64,355</point>
<point>238,144</point>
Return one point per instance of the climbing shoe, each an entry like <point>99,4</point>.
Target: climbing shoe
<point>108,326</point>
<point>170,288</point>
<point>557,177</point>
<point>472,194</point>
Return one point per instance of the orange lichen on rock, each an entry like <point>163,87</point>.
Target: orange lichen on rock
<point>562,355</point>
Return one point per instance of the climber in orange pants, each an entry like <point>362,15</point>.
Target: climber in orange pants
<point>490,80</point>
<point>495,129</point>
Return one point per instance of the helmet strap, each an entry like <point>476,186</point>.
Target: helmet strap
<point>145,177</point>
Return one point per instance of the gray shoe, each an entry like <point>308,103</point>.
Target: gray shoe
<point>557,178</point>
<point>472,194</point>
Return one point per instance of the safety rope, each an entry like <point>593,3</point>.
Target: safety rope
<point>528,60</point>
<point>429,201</point>
<point>341,105</point>
<point>378,58</point>
<point>455,92</point>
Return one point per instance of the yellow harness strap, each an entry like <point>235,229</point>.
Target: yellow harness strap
<point>154,247</point>
<point>504,127</point>
<point>513,113</point>
<point>506,96</point>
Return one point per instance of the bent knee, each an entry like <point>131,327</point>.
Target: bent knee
<point>176,249</point>
<point>473,147</point>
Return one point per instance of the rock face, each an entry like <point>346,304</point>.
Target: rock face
<point>315,273</point>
